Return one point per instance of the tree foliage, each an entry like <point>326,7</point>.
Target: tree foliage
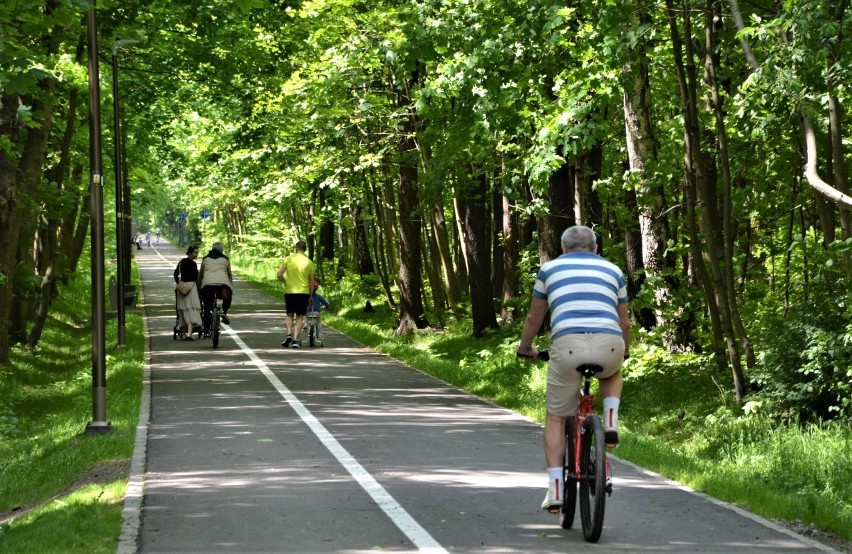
<point>438,148</point>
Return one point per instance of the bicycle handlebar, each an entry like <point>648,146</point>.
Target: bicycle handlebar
<point>543,355</point>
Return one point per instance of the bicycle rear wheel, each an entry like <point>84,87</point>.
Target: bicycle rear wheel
<point>593,479</point>
<point>569,481</point>
<point>215,324</point>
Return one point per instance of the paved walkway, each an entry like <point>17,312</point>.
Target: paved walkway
<point>256,448</point>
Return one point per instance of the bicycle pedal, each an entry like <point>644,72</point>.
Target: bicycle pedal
<point>554,510</point>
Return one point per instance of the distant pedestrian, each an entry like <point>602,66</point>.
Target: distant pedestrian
<point>297,273</point>
<point>158,235</point>
<point>148,238</point>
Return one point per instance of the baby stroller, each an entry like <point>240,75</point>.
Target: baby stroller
<point>179,331</point>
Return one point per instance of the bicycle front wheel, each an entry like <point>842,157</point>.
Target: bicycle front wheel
<point>593,479</point>
<point>216,326</point>
<point>569,480</point>
<point>312,335</point>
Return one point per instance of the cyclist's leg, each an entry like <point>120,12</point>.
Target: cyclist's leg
<point>225,293</point>
<point>207,294</point>
<point>562,395</point>
<point>554,439</point>
<point>609,351</point>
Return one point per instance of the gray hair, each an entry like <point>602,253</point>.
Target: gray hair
<point>218,247</point>
<point>579,238</point>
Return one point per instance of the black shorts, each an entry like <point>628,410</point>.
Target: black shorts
<point>296,303</point>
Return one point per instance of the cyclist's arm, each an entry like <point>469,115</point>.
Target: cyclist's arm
<point>624,323</point>
<point>538,311</point>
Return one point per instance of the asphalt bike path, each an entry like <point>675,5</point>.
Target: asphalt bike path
<point>252,447</point>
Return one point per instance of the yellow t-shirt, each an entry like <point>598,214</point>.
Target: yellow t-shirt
<point>298,271</point>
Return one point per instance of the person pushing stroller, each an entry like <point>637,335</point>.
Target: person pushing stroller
<point>188,306</point>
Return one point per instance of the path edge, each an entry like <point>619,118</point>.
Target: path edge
<point>131,514</point>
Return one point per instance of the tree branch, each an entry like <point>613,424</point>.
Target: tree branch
<point>811,173</point>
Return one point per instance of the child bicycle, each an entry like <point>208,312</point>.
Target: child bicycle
<point>585,463</point>
<point>312,323</point>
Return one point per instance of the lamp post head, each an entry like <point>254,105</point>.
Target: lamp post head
<point>119,43</point>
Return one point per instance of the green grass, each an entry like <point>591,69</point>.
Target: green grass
<point>45,455</point>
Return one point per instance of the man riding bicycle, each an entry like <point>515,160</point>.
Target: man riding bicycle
<point>587,299</point>
<point>217,281</point>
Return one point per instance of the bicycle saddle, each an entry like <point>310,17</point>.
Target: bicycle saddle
<point>588,370</point>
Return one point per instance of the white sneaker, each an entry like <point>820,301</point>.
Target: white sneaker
<point>611,437</point>
<point>553,501</point>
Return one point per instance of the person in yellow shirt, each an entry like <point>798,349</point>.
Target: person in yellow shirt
<point>300,273</point>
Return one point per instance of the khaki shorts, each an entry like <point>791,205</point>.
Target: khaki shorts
<point>566,354</point>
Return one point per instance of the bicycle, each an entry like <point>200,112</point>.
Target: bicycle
<point>312,320</point>
<point>215,322</point>
<point>585,465</point>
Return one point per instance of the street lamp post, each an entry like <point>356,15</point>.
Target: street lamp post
<point>99,424</point>
<point>121,246</point>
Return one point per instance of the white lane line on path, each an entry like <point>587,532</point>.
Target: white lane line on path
<point>397,514</point>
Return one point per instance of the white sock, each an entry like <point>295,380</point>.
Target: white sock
<point>610,412</point>
<point>554,473</point>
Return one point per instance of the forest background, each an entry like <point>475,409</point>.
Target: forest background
<point>432,152</point>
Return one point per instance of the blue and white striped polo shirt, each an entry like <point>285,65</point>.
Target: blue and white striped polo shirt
<point>582,290</point>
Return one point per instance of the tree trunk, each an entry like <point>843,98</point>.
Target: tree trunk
<point>361,245</point>
<point>74,228</point>
<point>439,226</point>
<point>46,286</point>
<point>459,250</point>
<point>9,127</point>
<point>587,206</point>
<point>383,244</point>
<point>835,119</point>
<point>642,151</point>
<point>412,315</point>
<point>30,170</point>
<point>498,252</point>
<point>728,232</point>
<point>511,281</point>
<point>476,233</point>
<point>327,234</point>
<point>433,272</point>
<point>560,215</point>
<point>699,181</point>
